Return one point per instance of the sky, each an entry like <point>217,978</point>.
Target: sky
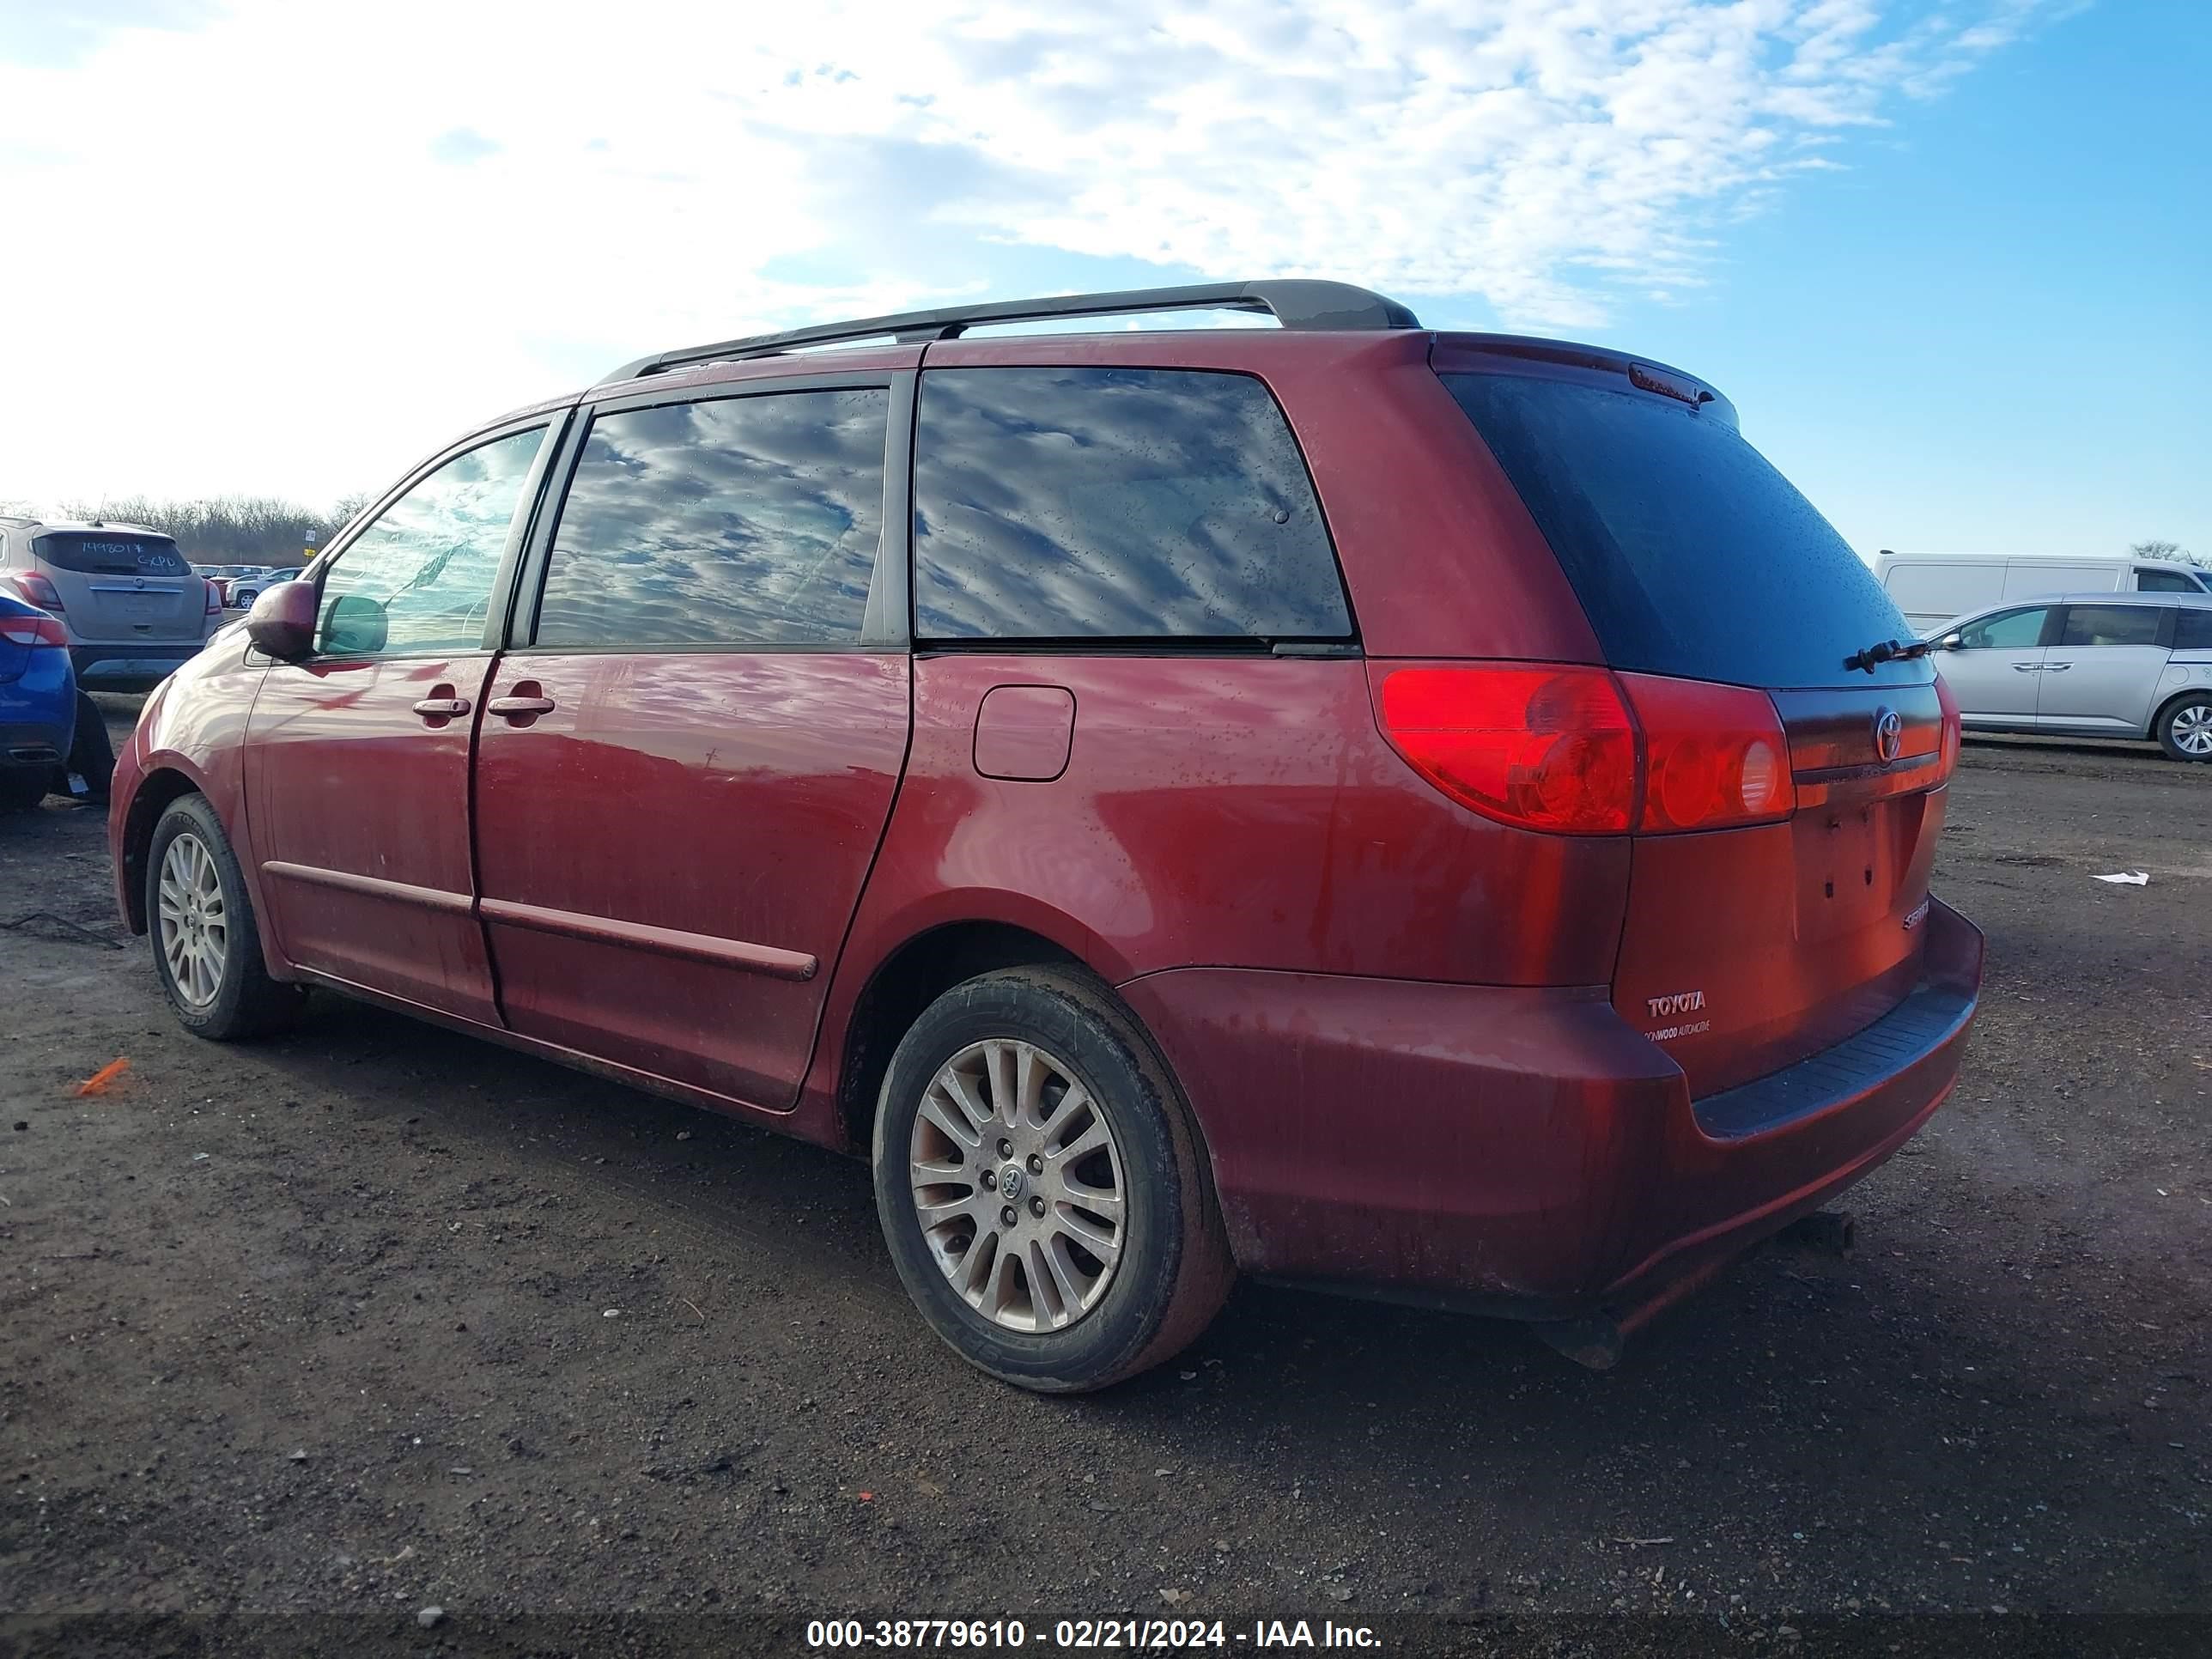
<point>1951,259</point>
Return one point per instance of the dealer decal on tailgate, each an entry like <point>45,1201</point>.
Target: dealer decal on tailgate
<point>1682,1002</point>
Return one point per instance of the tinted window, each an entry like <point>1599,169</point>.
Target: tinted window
<point>1691,553</point>
<point>738,521</point>
<point>2111,624</point>
<point>2166,581</point>
<point>419,580</point>
<point>2012,630</point>
<point>1108,503</point>
<point>2192,629</point>
<point>103,553</point>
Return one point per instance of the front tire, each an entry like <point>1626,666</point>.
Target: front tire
<point>206,950</point>
<point>1041,1186</point>
<point>2184,728</point>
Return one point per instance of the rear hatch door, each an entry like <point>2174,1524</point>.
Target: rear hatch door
<point>1744,949</point>
<point>119,586</point>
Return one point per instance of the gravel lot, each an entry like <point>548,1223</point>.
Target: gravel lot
<point>302,1339</point>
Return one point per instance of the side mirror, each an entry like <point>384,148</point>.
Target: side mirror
<point>355,625</point>
<point>1950,641</point>
<point>282,621</point>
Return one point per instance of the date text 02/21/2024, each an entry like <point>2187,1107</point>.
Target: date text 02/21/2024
<point>1085,1634</point>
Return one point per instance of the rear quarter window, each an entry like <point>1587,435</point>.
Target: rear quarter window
<point>1084,504</point>
<point>2192,629</point>
<point>92,552</point>
<point>1691,553</point>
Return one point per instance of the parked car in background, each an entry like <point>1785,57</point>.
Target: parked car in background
<point>245,590</point>
<point>1365,806</point>
<point>228,578</point>
<point>132,607</point>
<point>2087,664</point>
<point>224,574</point>
<point>1931,588</point>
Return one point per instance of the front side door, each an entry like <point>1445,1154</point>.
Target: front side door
<point>2102,672</point>
<point>689,757</point>
<point>1994,670</point>
<point>357,758</point>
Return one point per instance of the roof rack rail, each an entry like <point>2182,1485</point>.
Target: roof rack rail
<point>1294,303</point>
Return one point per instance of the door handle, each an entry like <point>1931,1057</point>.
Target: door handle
<point>511,706</point>
<point>441,707</point>
<point>2056,667</point>
<point>2028,668</point>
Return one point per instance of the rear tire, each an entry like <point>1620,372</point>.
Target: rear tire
<point>2184,727</point>
<point>91,756</point>
<point>1113,1258</point>
<point>206,950</point>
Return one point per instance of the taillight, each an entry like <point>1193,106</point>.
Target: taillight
<point>1579,750</point>
<point>214,597</point>
<point>38,590</point>
<point>1714,755</point>
<point>1945,695</point>
<point>33,630</point>
<point>1546,748</point>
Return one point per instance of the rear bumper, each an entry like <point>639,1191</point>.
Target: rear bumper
<point>132,665</point>
<point>38,712</point>
<point>1525,1151</point>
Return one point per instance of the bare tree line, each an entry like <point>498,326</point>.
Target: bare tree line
<point>224,529</point>
<point>2166,550</point>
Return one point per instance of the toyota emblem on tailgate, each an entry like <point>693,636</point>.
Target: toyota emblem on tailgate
<point>1888,735</point>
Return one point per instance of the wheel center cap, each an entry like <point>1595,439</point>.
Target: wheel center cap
<point>1011,1182</point>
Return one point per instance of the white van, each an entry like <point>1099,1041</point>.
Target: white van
<point>1931,588</point>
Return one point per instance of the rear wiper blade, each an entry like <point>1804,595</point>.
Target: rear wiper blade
<point>1889,650</point>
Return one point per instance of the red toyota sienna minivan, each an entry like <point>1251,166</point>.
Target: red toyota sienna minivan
<point>1429,814</point>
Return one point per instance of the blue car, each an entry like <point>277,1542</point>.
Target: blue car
<point>42,713</point>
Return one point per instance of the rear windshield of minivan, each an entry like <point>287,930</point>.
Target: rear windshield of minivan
<point>1692,556</point>
<point>107,553</point>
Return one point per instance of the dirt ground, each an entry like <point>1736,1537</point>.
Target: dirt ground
<point>300,1339</point>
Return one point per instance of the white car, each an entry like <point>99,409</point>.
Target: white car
<point>2086,664</point>
<point>246,589</point>
<point>1930,587</point>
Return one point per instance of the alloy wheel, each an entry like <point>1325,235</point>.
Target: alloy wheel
<point>2192,730</point>
<point>1017,1186</point>
<point>195,928</point>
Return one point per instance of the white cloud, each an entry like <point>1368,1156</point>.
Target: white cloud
<point>334,233</point>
